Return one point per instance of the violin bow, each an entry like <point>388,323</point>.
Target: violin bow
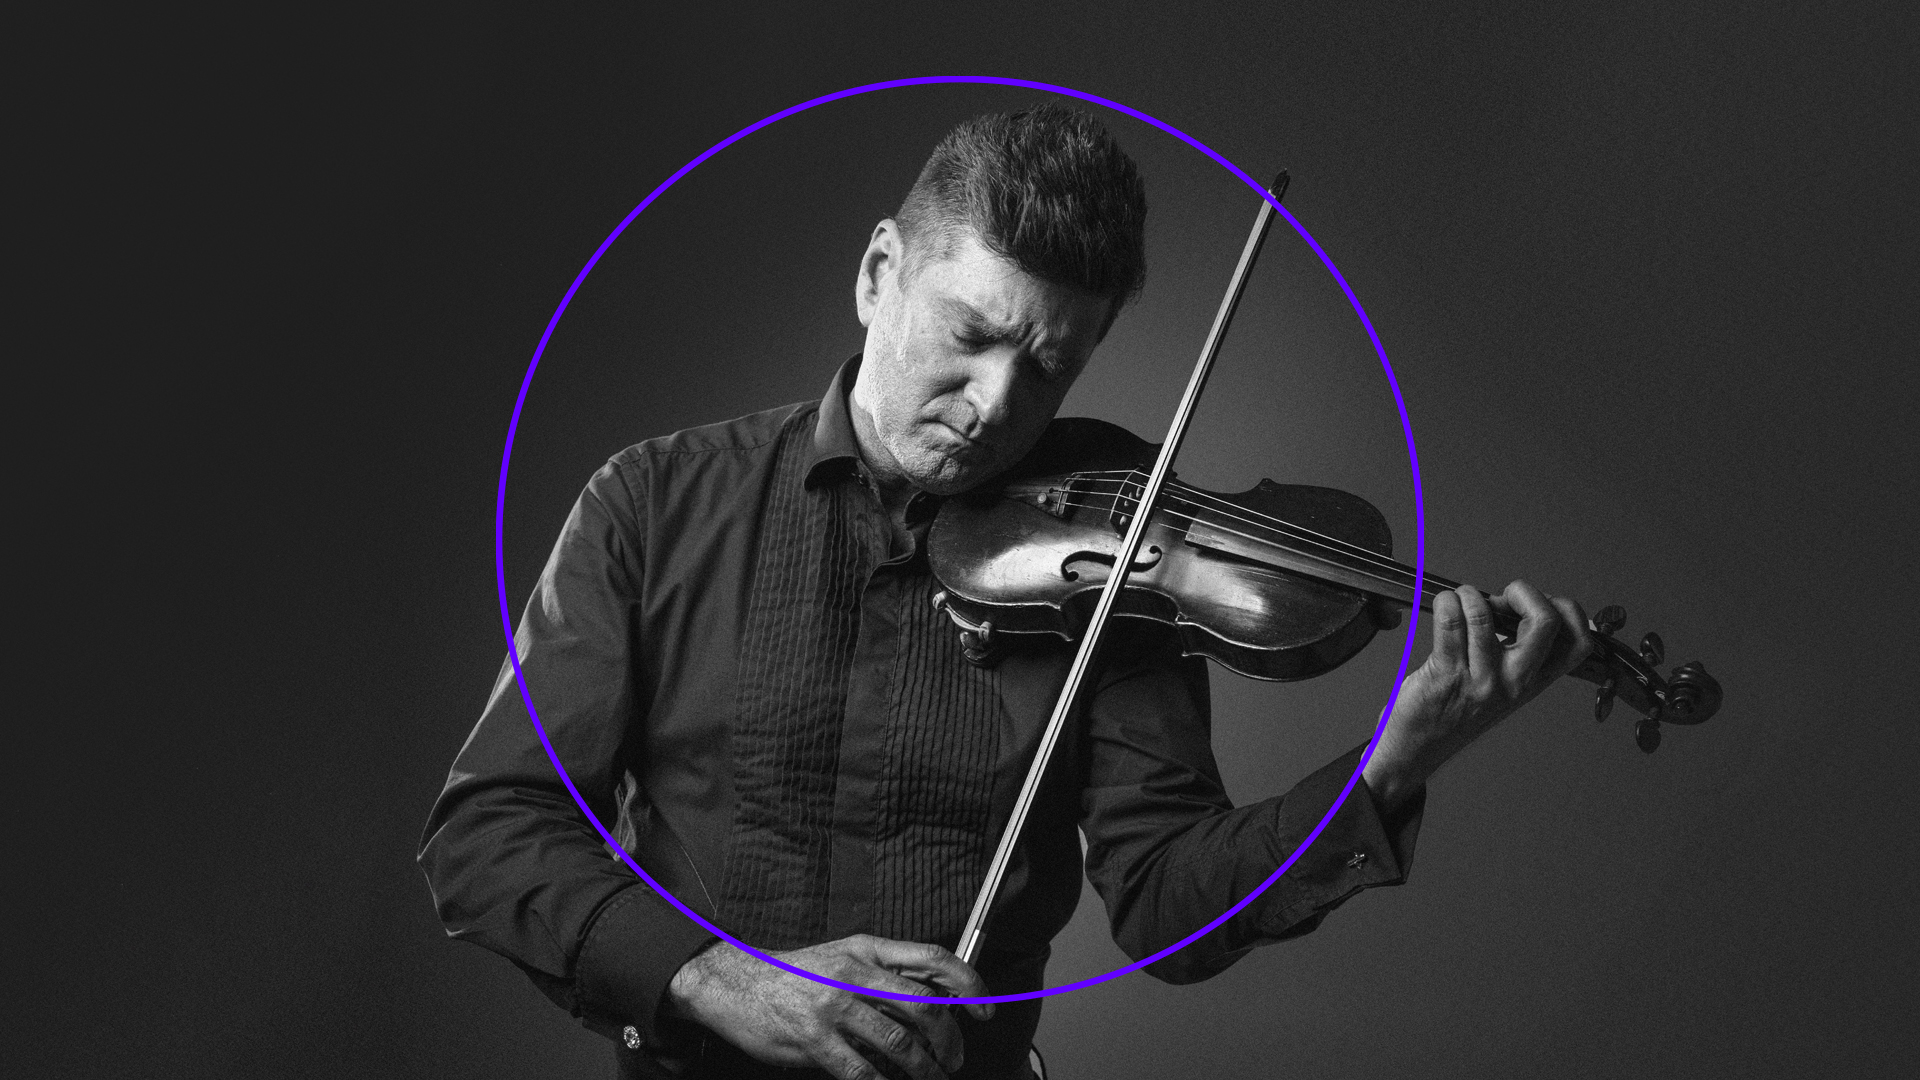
<point>974,933</point>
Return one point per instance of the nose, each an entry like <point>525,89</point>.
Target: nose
<point>991,387</point>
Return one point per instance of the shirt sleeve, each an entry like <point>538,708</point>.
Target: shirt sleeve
<point>1169,852</point>
<point>513,864</point>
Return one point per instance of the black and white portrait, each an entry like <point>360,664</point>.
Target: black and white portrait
<point>1641,278</point>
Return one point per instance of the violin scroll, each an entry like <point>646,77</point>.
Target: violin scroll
<point>1687,695</point>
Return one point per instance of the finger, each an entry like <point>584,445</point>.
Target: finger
<point>1449,632</point>
<point>1484,651</point>
<point>1577,639</point>
<point>892,1039</point>
<point>934,966</point>
<point>1539,631</point>
<point>933,1023</point>
<point>841,1060</point>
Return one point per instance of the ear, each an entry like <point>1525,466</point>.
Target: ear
<point>879,268</point>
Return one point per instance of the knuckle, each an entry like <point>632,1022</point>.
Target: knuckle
<point>840,1059</point>
<point>895,1040</point>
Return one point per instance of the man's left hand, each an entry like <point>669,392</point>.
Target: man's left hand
<point>1472,680</point>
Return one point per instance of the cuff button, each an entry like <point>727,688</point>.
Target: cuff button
<point>631,1036</point>
<point>1359,860</point>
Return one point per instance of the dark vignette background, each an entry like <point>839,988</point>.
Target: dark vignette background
<point>1645,271</point>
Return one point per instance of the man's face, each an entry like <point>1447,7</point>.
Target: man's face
<point>965,364</point>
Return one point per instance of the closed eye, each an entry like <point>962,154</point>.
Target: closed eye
<point>1048,370</point>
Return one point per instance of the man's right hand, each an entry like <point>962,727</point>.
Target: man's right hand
<point>782,1019</point>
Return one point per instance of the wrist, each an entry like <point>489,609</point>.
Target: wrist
<point>1391,778</point>
<point>686,988</point>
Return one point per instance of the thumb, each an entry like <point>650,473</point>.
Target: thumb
<point>936,967</point>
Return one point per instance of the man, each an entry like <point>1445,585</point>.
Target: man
<point>736,652</point>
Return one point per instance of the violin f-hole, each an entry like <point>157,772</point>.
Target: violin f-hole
<point>1145,562</point>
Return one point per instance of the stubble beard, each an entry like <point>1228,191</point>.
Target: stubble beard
<point>915,442</point>
<point>931,468</point>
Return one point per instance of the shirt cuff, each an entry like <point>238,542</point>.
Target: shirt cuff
<point>1359,849</point>
<point>632,949</point>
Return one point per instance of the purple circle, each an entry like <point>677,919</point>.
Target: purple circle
<point>513,427</point>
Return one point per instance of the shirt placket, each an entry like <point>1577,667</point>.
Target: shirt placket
<point>857,804</point>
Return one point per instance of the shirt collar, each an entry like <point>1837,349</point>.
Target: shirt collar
<point>835,451</point>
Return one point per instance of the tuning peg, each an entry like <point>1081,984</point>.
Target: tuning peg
<point>1603,701</point>
<point>1647,734</point>
<point>1608,619</point>
<point>1682,694</point>
<point>1692,695</point>
<point>1652,649</point>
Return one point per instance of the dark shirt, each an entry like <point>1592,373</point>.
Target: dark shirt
<point>738,659</point>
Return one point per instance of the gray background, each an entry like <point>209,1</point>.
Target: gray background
<point>1644,272</point>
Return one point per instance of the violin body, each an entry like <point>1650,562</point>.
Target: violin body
<point>1032,557</point>
<point>1279,582</point>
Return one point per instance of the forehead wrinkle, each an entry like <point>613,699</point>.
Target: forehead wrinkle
<point>1025,335</point>
<point>1044,337</point>
<point>973,316</point>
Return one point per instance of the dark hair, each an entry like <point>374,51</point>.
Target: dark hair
<point>1046,188</point>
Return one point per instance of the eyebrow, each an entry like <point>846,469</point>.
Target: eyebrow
<point>980,323</point>
<point>977,319</point>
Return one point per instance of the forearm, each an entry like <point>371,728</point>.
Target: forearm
<point>514,864</point>
<point>1160,890</point>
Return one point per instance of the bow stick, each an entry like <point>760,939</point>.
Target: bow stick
<point>974,933</point>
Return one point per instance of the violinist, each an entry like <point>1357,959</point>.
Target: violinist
<point>736,651</point>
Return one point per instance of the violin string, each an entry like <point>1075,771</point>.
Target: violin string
<point>1385,570</point>
<point>1388,572</point>
<point>1291,530</point>
<point>1374,564</point>
<point>1237,512</point>
<point>1294,531</point>
<point>1288,529</point>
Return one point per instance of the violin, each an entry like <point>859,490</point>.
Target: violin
<point>1282,581</point>
<point>1279,582</point>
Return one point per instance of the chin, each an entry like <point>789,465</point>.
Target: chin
<point>943,475</point>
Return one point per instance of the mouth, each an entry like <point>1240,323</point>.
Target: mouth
<point>963,444</point>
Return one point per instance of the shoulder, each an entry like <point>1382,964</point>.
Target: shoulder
<point>755,431</point>
<point>744,437</point>
<point>712,457</point>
